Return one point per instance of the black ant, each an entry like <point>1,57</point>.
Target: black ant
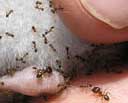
<point>58,62</point>
<point>39,5</point>
<point>50,30</point>
<point>98,92</point>
<point>48,69</point>
<point>41,72</point>
<point>34,68</point>
<point>50,4</point>
<point>45,39</point>
<point>0,37</point>
<point>33,28</point>
<point>22,58</point>
<point>47,32</point>
<point>53,9</point>
<point>34,45</point>
<point>10,11</point>
<point>86,86</point>
<point>67,52</point>
<point>52,47</point>
<point>9,34</point>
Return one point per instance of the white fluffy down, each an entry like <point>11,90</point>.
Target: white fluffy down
<point>20,23</point>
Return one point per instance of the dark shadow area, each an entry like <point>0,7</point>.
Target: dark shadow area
<point>101,65</point>
<point>102,60</point>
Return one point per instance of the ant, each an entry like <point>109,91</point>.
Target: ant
<point>45,39</point>
<point>53,10</point>
<point>34,68</point>
<point>39,5</point>
<point>22,58</point>
<point>58,62</point>
<point>10,11</point>
<point>34,45</point>
<point>33,28</point>
<point>9,34</point>
<point>51,6</point>
<point>41,72</point>
<point>48,69</point>
<point>0,37</point>
<point>86,86</point>
<point>67,52</point>
<point>47,32</point>
<point>50,30</point>
<point>52,47</point>
<point>98,92</point>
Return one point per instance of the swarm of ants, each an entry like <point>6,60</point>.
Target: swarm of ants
<point>40,73</point>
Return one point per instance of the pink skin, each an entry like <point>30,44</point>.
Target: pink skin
<point>110,11</point>
<point>115,84</point>
<point>89,27</point>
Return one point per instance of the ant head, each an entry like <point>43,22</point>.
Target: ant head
<point>96,89</point>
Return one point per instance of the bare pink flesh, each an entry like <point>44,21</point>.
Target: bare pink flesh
<point>25,82</point>
<point>115,84</point>
<point>81,22</point>
<point>112,12</point>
